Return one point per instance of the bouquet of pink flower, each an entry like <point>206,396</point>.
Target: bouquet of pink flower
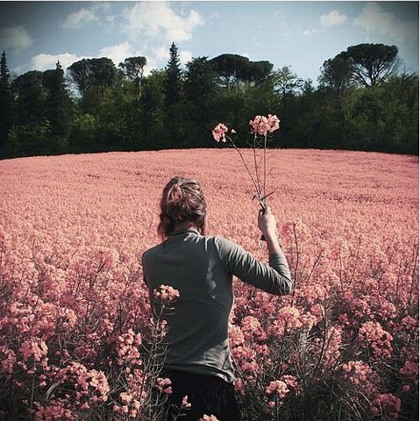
<point>261,127</point>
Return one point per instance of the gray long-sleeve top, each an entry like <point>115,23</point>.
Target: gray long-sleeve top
<point>201,269</point>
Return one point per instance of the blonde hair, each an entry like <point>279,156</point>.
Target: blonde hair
<point>182,202</point>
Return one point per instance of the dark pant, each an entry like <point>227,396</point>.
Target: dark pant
<point>208,395</point>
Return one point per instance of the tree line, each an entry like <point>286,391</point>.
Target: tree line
<point>364,100</point>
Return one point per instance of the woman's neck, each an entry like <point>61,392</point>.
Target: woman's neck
<point>185,226</point>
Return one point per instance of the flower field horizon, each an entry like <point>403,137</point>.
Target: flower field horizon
<point>75,327</point>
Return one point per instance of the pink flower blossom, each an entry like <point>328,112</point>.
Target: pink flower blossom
<point>166,293</point>
<point>209,418</point>
<point>262,125</point>
<point>372,333</point>
<point>388,405</point>
<point>410,370</point>
<point>127,348</point>
<point>291,381</point>
<point>126,398</point>
<point>406,388</point>
<point>236,336</point>
<point>278,387</point>
<point>164,385</point>
<point>219,133</point>
<point>8,360</point>
<point>239,386</point>
<point>185,404</point>
<point>251,328</point>
<point>357,371</point>
<point>36,348</point>
<point>66,311</point>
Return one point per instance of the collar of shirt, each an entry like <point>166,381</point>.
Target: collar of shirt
<point>184,231</point>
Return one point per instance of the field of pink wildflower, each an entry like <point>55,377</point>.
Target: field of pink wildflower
<point>76,338</point>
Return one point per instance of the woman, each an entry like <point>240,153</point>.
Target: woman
<point>201,268</point>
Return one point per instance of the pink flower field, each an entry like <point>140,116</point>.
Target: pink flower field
<point>77,341</point>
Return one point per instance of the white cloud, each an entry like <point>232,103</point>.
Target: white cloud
<point>309,32</point>
<point>185,57</point>
<point>78,19</point>
<point>160,53</point>
<point>333,18</point>
<point>44,62</point>
<point>118,53</point>
<point>110,21</point>
<point>374,19</point>
<point>283,24</point>
<point>158,19</point>
<point>15,38</point>
<point>214,16</point>
<point>158,57</point>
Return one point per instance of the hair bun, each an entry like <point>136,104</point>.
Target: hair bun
<point>182,201</point>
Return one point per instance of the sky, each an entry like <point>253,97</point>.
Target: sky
<point>298,34</point>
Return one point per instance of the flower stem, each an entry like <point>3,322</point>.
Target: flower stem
<point>246,166</point>
<point>259,192</point>
<point>265,167</point>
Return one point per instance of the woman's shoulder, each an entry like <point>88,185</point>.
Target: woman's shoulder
<point>224,245</point>
<point>151,251</point>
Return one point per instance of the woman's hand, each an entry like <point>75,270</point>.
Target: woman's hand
<point>267,222</point>
<point>267,225</point>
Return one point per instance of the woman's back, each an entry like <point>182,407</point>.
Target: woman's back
<point>201,269</point>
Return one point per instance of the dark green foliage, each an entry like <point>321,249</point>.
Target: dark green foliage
<point>174,104</point>
<point>41,121</point>
<point>363,102</point>
<point>152,129</point>
<point>336,77</point>
<point>92,78</point>
<point>30,96</point>
<point>259,71</point>
<point>173,81</point>
<point>6,101</point>
<point>200,91</point>
<point>57,102</point>
<point>90,73</point>
<point>133,68</point>
<point>80,75</point>
<point>233,68</point>
<point>372,64</point>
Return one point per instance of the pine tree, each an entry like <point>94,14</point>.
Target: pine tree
<point>173,101</point>
<point>6,101</point>
<point>173,70</point>
<point>57,103</point>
